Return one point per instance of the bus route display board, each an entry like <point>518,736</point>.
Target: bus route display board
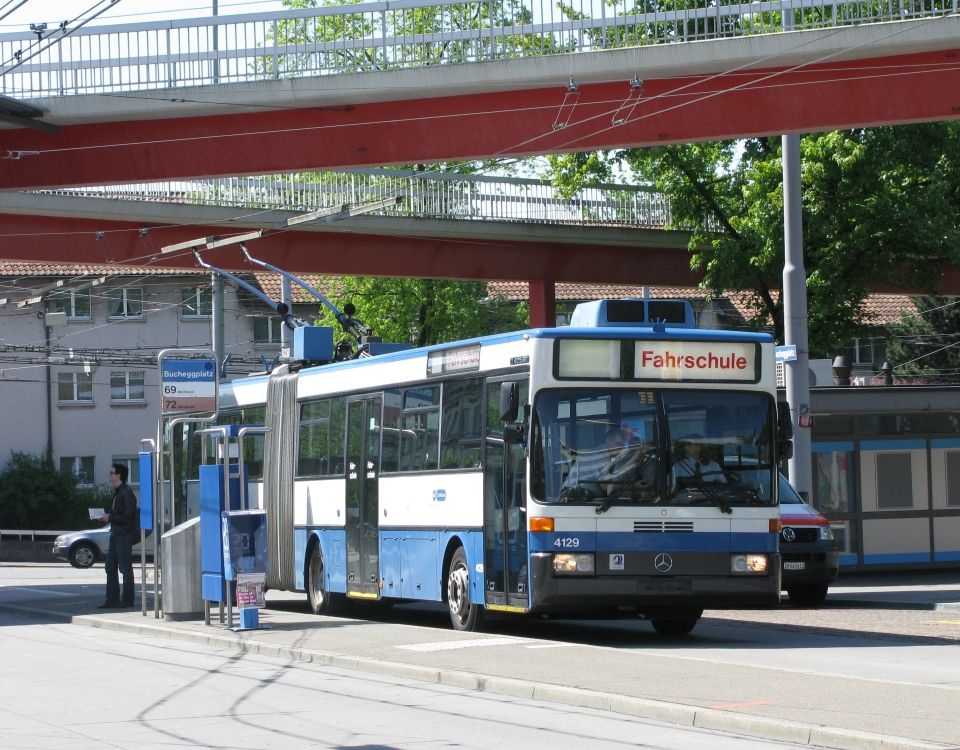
<point>188,385</point>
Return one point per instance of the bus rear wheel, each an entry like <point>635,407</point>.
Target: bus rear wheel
<point>321,601</point>
<point>463,614</point>
<point>678,621</point>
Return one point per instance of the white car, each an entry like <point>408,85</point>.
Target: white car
<point>83,548</point>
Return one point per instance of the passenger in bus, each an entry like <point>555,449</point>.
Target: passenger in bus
<point>696,466</point>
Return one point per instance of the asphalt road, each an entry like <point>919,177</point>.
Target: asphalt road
<point>78,688</point>
<point>875,668</point>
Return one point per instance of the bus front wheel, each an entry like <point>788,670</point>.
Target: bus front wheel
<point>321,601</point>
<point>677,621</point>
<point>463,614</point>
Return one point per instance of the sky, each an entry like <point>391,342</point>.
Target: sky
<point>124,11</point>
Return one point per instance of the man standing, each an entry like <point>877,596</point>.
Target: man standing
<point>121,518</point>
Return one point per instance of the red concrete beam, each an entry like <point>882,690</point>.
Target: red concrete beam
<point>887,90</point>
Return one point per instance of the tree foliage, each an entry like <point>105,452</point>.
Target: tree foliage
<point>326,40</point>
<point>34,495</point>
<point>424,311</point>
<point>927,342</point>
<point>879,206</point>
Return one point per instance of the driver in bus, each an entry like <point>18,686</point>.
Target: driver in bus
<point>696,467</point>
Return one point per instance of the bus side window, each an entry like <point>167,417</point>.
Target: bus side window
<point>338,426</point>
<point>462,424</point>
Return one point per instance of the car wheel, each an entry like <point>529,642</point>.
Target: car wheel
<point>807,596</point>
<point>83,555</point>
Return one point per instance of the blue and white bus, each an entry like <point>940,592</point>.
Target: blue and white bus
<point>474,472</point>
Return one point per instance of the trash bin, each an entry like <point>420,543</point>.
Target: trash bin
<point>181,572</point>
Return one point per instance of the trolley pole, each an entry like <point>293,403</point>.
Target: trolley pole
<point>797,372</point>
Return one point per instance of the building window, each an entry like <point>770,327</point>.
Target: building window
<point>266,330</point>
<point>864,352</point>
<point>894,481</point>
<point>125,303</point>
<point>82,467</point>
<point>75,303</point>
<point>833,477</point>
<point>953,479</point>
<point>196,302</point>
<point>133,468</point>
<point>75,387</point>
<point>127,386</point>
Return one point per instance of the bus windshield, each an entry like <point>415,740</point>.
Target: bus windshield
<point>618,446</point>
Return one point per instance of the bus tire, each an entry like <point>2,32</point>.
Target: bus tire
<point>321,601</point>
<point>464,615</point>
<point>680,621</point>
<point>807,596</point>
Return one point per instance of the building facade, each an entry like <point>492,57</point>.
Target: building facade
<point>78,355</point>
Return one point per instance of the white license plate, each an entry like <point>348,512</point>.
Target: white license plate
<point>794,565</point>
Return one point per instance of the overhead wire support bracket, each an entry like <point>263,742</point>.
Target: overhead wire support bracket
<point>629,104</point>
<point>570,101</point>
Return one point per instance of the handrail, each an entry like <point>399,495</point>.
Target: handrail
<point>392,35</point>
<point>426,196</point>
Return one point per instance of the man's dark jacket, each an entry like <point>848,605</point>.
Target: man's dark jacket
<point>123,510</point>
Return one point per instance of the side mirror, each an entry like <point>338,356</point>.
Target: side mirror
<point>784,421</point>
<point>785,450</point>
<point>784,432</point>
<point>509,401</point>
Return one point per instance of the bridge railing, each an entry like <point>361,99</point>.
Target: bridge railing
<point>392,35</point>
<point>437,196</point>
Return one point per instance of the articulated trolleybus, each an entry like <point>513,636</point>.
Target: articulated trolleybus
<point>613,466</point>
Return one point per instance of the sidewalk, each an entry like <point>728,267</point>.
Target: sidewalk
<point>933,590</point>
<point>644,679</point>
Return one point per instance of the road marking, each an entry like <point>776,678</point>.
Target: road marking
<point>946,622</point>
<point>746,704</point>
<point>453,645</point>
<point>548,645</point>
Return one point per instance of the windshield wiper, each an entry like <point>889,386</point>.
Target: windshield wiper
<point>711,494</point>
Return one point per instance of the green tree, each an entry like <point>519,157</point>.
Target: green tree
<point>879,205</point>
<point>927,342</point>
<point>34,495</point>
<point>424,311</point>
<point>329,42</point>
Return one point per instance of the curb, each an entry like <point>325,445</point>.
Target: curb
<point>880,604</point>
<point>674,713</point>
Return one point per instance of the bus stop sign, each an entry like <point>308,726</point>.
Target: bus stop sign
<point>189,385</point>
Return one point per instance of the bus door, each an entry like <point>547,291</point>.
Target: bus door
<point>504,509</point>
<point>362,522</point>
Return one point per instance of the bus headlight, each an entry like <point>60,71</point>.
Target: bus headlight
<point>573,564</point>
<point>748,564</point>
<point>826,534</point>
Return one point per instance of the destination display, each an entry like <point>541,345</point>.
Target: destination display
<point>608,359</point>
<point>695,360</point>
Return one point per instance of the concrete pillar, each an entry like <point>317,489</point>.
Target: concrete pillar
<point>543,304</point>
<point>797,372</point>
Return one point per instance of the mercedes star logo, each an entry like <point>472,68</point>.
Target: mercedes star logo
<point>663,562</point>
<point>788,534</point>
